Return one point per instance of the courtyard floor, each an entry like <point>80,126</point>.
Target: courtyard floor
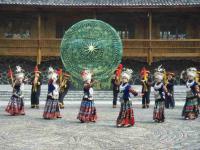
<point>32,132</point>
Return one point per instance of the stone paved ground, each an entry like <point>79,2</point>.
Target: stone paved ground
<point>31,132</point>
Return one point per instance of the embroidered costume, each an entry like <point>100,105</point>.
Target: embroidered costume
<point>126,114</point>
<point>16,103</point>
<point>36,88</point>
<point>190,109</point>
<point>159,93</point>
<point>51,109</point>
<point>87,112</point>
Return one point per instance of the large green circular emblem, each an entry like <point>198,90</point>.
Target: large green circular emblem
<point>91,44</point>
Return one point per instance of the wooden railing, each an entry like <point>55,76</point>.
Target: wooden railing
<point>132,47</point>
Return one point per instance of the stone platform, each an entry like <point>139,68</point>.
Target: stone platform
<point>32,132</point>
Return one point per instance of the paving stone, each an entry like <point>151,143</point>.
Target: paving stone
<point>31,132</point>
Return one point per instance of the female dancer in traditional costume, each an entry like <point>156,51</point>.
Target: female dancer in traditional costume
<point>126,115</point>
<point>190,109</point>
<point>51,109</point>
<point>87,111</point>
<point>16,103</point>
<point>160,91</point>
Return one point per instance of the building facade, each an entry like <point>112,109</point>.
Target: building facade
<point>153,32</point>
<point>149,30</point>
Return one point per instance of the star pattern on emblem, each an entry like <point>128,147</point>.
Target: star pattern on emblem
<point>91,48</point>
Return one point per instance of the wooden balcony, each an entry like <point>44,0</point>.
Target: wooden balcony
<point>132,47</point>
<point>162,48</point>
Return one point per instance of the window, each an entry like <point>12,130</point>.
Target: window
<point>172,32</point>
<point>124,31</point>
<point>123,23</point>
<point>17,28</point>
<point>60,30</point>
<point>172,25</point>
<point>61,27</point>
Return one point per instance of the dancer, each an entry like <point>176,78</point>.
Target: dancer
<point>170,103</point>
<point>160,91</point>
<point>87,111</point>
<point>64,84</point>
<point>146,87</point>
<point>126,115</point>
<point>16,103</point>
<point>198,81</point>
<point>190,109</point>
<point>116,83</point>
<point>51,109</point>
<point>36,88</point>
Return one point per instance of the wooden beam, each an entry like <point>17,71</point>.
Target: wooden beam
<point>150,58</point>
<point>137,53</point>
<point>18,52</point>
<point>180,55</point>
<point>94,14</point>
<point>132,47</point>
<point>54,9</point>
<point>127,53</point>
<point>39,35</point>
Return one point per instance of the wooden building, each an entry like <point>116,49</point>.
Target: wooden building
<point>149,29</point>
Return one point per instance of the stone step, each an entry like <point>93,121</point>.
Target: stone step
<point>74,93</point>
<point>81,93</point>
<point>80,97</point>
<point>77,96</point>
<point>99,95</point>
<point>96,99</point>
<point>45,87</point>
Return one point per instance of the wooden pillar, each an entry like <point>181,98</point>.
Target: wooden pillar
<point>95,15</point>
<point>39,49</point>
<point>150,58</point>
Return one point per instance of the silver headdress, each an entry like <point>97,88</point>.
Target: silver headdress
<point>50,72</point>
<point>159,73</point>
<point>19,72</point>
<point>192,72</point>
<point>127,73</point>
<point>86,75</point>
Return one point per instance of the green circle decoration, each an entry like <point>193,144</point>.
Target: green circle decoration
<point>91,44</point>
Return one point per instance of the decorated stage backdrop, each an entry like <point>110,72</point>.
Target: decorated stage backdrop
<point>91,44</point>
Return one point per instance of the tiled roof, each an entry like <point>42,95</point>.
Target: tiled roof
<point>113,3</point>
